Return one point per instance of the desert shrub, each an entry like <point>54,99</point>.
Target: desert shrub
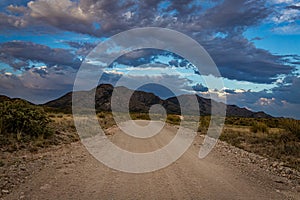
<point>292,126</point>
<point>19,118</point>
<point>234,138</point>
<point>204,123</point>
<point>51,115</point>
<point>141,116</point>
<point>259,127</point>
<point>242,121</point>
<point>106,119</point>
<point>239,121</point>
<point>272,123</point>
<point>229,120</point>
<point>173,119</point>
<point>101,115</point>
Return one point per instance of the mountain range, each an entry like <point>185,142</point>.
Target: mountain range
<point>141,101</point>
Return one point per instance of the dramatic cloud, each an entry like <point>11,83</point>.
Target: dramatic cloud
<point>18,54</point>
<point>289,92</point>
<point>200,88</point>
<point>38,85</point>
<point>82,48</point>
<point>219,26</point>
<point>11,22</point>
<point>236,57</point>
<point>103,18</point>
<point>283,100</point>
<point>234,15</point>
<point>239,59</point>
<point>62,14</point>
<point>296,7</point>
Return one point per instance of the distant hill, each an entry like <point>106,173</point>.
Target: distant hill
<point>142,101</point>
<point>5,98</point>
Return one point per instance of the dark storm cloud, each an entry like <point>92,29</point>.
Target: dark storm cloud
<point>82,48</point>
<point>229,91</point>
<point>236,57</point>
<point>239,59</point>
<point>115,16</point>
<point>289,92</point>
<point>256,38</point>
<point>183,7</point>
<point>79,45</point>
<point>294,7</point>
<point>200,88</point>
<point>235,15</point>
<point>174,63</point>
<point>140,57</point>
<point>42,72</point>
<point>17,54</point>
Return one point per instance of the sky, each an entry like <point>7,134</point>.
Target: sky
<point>255,45</point>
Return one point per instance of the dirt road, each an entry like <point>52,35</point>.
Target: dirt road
<point>70,172</point>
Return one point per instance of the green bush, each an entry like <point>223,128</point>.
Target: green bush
<point>259,127</point>
<point>20,119</point>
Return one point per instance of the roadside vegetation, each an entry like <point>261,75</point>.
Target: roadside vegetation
<point>25,126</point>
<point>275,138</point>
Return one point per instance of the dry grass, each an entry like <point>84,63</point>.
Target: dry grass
<point>141,116</point>
<point>292,126</point>
<point>276,143</point>
<point>106,120</point>
<point>259,127</point>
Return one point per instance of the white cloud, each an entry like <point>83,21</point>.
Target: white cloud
<point>45,8</point>
<point>113,71</point>
<point>283,1</point>
<point>286,15</point>
<point>288,29</point>
<point>266,101</point>
<point>239,91</point>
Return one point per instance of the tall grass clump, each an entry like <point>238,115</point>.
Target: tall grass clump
<point>259,127</point>
<point>292,126</point>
